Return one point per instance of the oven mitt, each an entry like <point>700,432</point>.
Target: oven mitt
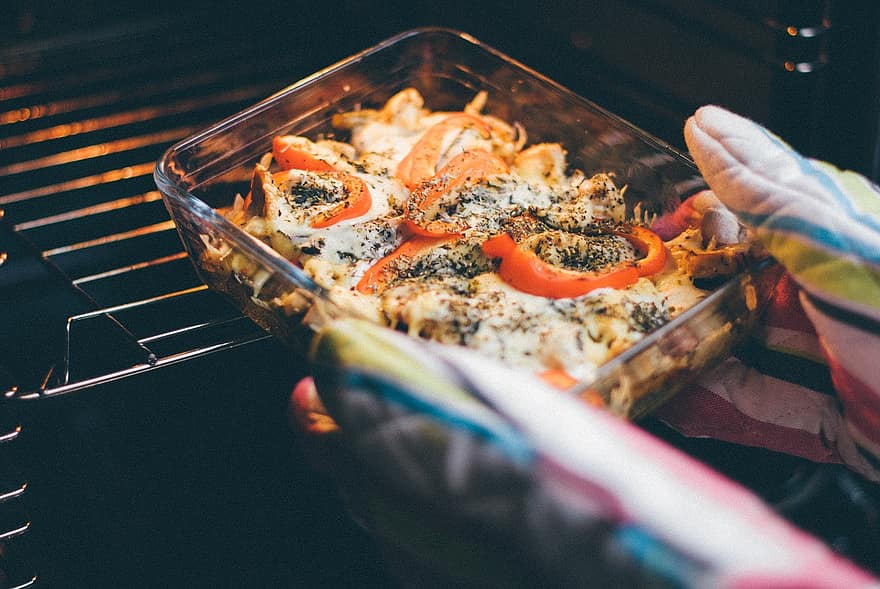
<point>473,475</point>
<point>819,346</point>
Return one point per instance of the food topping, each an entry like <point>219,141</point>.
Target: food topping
<point>448,226</point>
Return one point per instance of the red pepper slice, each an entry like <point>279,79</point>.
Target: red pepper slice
<point>558,378</point>
<point>292,158</point>
<point>525,271</point>
<point>421,161</point>
<point>358,202</point>
<point>358,199</point>
<point>478,163</point>
<point>379,275</point>
<point>650,245</point>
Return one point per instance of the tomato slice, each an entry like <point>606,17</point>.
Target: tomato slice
<point>525,271</point>
<point>650,245</point>
<point>421,161</point>
<point>419,207</point>
<point>558,378</point>
<point>380,274</point>
<point>358,200</point>
<point>292,158</point>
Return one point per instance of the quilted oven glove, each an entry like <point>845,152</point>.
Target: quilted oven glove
<point>472,475</point>
<point>809,384</point>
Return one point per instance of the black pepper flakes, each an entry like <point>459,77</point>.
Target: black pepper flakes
<point>648,316</point>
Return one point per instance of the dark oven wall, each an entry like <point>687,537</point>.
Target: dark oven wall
<point>806,68</point>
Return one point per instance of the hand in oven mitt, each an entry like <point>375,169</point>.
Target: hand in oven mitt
<point>471,475</point>
<point>823,225</point>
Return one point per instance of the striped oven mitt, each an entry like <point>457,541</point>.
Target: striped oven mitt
<point>469,474</point>
<point>823,225</point>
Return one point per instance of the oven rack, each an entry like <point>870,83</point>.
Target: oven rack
<point>90,260</point>
<point>99,348</point>
<point>94,284</point>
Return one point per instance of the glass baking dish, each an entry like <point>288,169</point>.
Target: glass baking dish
<point>205,172</point>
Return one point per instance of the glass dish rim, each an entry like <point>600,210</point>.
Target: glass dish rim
<point>276,262</point>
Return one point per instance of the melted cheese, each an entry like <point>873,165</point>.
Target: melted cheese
<point>486,314</point>
<point>451,293</point>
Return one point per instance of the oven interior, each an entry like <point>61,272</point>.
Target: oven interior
<point>144,433</point>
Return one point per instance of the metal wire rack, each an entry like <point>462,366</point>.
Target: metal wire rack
<point>79,202</point>
<point>94,284</point>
